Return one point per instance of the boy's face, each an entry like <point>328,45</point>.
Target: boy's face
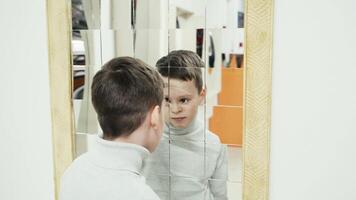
<point>181,99</point>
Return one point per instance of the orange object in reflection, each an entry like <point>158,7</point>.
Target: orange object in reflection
<point>227,119</point>
<point>227,124</point>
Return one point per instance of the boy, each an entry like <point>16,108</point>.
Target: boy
<point>190,162</point>
<point>127,95</point>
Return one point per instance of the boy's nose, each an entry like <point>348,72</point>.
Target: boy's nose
<point>175,108</point>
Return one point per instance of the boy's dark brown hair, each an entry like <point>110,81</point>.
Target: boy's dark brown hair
<point>182,65</point>
<point>123,92</point>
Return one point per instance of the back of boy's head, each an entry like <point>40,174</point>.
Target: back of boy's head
<point>123,92</point>
<point>182,65</point>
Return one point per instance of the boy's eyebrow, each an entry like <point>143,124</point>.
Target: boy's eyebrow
<point>184,96</point>
<point>179,97</point>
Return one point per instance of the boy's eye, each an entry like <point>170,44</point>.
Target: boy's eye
<point>166,99</point>
<point>184,100</point>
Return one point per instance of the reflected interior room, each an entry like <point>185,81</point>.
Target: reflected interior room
<point>149,30</point>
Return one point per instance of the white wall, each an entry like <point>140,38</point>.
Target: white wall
<point>313,138</point>
<point>26,166</point>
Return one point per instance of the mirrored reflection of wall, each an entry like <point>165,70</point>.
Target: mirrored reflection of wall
<point>148,30</point>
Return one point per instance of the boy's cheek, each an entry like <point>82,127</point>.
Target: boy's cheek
<point>165,113</point>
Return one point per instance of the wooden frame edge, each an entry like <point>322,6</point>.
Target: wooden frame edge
<point>60,75</point>
<point>257,101</point>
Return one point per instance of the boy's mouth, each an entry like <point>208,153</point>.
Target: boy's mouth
<point>178,119</point>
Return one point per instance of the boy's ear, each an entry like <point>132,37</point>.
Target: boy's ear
<point>202,96</point>
<point>156,120</point>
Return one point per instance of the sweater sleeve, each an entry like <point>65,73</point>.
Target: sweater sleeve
<point>218,182</point>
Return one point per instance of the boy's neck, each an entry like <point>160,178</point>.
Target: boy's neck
<point>193,125</point>
<point>129,139</point>
<point>138,137</point>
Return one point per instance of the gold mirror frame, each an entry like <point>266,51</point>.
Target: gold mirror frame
<point>257,96</point>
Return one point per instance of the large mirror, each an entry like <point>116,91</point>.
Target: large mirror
<point>199,156</point>
<point>213,155</point>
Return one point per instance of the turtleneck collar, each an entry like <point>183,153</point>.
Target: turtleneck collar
<point>189,132</point>
<point>118,155</point>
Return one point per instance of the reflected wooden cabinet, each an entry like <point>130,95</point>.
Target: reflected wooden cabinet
<point>227,117</point>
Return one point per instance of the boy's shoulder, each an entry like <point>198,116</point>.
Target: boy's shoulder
<point>212,137</point>
<point>214,148</point>
<point>83,174</point>
<point>78,163</point>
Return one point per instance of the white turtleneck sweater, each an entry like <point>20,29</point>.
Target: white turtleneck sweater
<point>108,171</point>
<point>188,165</point>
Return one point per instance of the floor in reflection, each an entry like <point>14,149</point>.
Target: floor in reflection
<point>235,170</point>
